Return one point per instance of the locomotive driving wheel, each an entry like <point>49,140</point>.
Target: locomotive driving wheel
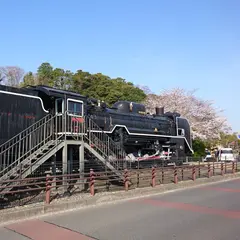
<point>120,137</point>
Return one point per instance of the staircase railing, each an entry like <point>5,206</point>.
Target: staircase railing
<point>104,144</point>
<point>24,144</point>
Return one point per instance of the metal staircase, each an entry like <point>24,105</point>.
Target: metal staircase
<point>24,153</point>
<point>104,145</point>
<point>99,144</point>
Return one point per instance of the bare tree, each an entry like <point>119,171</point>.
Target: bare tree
<point>146,89</point>
<point>1,77</point>
<point>11,75</point>
<point>205,120</point>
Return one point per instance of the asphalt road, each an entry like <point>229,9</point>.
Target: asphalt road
<point>210,212</point>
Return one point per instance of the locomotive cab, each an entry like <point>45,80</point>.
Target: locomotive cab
<point>64,104</point>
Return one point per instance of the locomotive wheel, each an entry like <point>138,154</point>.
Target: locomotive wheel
<point>120,137</point>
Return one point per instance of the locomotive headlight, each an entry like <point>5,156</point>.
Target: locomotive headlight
<point>181,147</point>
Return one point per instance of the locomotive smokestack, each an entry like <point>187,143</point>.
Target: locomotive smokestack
<point>159,111</point>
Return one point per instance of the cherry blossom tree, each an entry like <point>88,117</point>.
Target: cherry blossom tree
<point>206,121</point>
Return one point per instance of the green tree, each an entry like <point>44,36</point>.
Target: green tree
<point>128,91</point>
<point>106,89</point>
<point>224,140</point>
<point>229,140</point>
<point>28,79</point>
<point>97,85</point>
<point>68,76</point>
<point>45,74</point>
<point>80,80</point>
<point>199,147</point>
<point>61,79</point>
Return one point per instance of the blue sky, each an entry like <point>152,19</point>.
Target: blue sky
<point>159,43</point>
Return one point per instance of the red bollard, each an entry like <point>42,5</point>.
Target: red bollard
<point>162,176</point>
<point>193,173</point>
<point>233,167</point>
<point>48,189</point>
<point>199,169</point>
<point>209,170</point>
<point>126,179</point>
<point>175,175</point>
<point>92,179</point>
<point>153,176</point>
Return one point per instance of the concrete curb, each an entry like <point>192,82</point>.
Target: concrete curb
<point>67,204</point>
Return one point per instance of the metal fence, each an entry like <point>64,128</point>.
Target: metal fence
<point>48,186</point>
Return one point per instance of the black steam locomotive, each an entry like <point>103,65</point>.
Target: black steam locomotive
<point>127,123</point>
<point>137,131</point>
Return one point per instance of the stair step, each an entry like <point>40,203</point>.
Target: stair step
<point>13,176</point>
<point>50,145</point>
<point>34,160</point>
<point>26,165</point>
<point>44,149</point>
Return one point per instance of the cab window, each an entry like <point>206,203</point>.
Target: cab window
<point>75,108</point>
<point>59,104</point>
<point>181,132</point>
